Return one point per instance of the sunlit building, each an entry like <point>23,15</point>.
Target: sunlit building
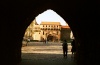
<point>65,33</point>
<point>71,35</point>
<point>51,31</point>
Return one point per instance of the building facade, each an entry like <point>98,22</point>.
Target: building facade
<point>50,31</point>
<point>65,33</point>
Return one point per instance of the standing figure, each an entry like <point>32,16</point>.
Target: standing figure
<point>28,40</point>
<point>65,48</point>
<point>73,49</point>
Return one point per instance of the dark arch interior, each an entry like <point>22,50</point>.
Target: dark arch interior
<point>50,38</point>
<point>80,16</point>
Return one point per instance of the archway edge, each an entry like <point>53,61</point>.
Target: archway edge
<point>56,9</point>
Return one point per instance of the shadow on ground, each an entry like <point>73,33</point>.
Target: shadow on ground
<point>46,59</point>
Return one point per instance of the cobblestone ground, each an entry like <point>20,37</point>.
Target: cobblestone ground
<point>38,53</point>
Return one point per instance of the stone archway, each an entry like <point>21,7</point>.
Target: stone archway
<point>81,17</point>
<point>50,37</point>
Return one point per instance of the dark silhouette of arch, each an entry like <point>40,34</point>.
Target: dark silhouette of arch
<point>81,16</point>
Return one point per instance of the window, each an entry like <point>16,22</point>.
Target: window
<point>43,32</point>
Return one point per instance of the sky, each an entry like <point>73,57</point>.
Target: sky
<point>50,16</point>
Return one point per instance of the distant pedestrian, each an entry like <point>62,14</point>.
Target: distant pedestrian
<point>28,40</point>
<point>65,48</point>
<point>44,41</point>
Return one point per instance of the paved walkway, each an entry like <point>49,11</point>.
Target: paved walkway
<point>45,54</point>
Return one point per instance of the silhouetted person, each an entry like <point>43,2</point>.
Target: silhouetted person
<point>44,41</point>
<point>73,49</point>
<point>28,40</point>
<point>65,48</point>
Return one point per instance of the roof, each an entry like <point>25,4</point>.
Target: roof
<point>65,27</point>
<point>50,23</point>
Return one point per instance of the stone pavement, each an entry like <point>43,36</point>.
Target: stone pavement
<point>45,54</point>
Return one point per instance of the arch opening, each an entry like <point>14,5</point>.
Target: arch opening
<point>53,32</point>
